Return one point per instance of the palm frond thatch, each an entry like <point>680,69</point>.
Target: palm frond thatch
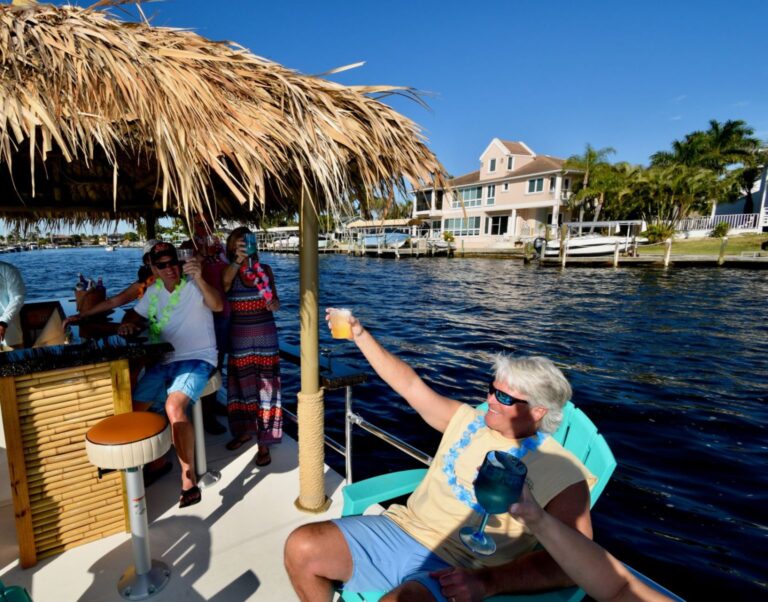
<point>102,118</point>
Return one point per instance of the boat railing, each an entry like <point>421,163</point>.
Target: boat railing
<point>337,375</point>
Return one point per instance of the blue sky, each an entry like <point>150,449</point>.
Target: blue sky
<point>556,74</point>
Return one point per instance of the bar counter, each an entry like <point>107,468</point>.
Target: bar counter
<point>50,397</point>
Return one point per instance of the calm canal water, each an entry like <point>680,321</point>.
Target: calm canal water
<point>671,365</point>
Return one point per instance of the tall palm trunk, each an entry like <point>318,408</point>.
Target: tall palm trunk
<point>597,211</point>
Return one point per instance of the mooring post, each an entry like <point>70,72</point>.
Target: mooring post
<point>668,252</point>
<point>563,238</point>
<point>616,255</point>
<point>721,258</point>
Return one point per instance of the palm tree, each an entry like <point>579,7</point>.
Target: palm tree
<point>749,174</point>
<point>721,146</point>
<point>591,161</point>
<point>728,149</point>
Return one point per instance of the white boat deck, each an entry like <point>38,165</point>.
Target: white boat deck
<point>228,548</point>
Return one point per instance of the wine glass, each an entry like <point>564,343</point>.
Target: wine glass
<point>498,484</point>
<point>250,247</point>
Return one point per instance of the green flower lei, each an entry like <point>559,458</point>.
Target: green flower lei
<point>155,327</point>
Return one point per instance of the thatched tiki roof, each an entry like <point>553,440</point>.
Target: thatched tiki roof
<point>100,117</point>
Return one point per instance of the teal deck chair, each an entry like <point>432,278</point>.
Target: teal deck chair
<point>13,593</point>
<point>577,434</point>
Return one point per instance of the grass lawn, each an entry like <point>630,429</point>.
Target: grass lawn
<point>709,246</point>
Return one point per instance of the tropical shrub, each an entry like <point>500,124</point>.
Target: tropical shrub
<point>448,236</point>
<point>720,230</point>
<point>659,232</point>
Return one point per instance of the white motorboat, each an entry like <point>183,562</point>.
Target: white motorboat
<point>588,245</point>
<point>386,239</point>
<point>109,248</point>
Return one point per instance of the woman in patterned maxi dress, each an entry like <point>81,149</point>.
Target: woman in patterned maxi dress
<point>253,369</point>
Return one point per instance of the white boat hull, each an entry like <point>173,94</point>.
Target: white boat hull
<point>590,245</point>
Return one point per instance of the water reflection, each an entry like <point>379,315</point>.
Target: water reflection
<point>670,364</point>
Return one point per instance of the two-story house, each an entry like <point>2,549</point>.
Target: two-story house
<point>512,197</point>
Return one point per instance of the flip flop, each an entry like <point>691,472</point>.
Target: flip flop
<point>238,442</point>
<point>190,497</point>
<point>263,459</point>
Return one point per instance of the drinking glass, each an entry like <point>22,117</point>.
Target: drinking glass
<point>498,484</point>
<point>250,247</point>
<point>185,254</point>
<point>340,328</point>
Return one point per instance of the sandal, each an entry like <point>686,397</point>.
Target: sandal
<point>190,496</point>
<point>263,459</point>
<point>238,442</point>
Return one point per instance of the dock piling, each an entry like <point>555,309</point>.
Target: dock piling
<point>667,252</point>
<point>616,255</point>
<point>721,257</point>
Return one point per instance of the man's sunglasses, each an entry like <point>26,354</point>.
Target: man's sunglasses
<point>503,398</point>
<point>161,265</point>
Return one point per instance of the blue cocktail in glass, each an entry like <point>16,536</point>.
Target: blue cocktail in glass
<point>498,485</point>
<point>250,247</point>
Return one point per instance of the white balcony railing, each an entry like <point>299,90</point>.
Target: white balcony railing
<point>737,221</point>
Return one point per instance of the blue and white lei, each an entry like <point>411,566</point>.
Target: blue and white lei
<point>463,494</point>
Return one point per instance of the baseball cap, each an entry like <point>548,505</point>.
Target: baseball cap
<point>148,246</point>
<point>162,249</point>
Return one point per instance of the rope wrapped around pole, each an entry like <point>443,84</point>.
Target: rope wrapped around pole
<point>311,415</point>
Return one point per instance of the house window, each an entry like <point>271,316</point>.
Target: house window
<point>490,197</point>
<point>535,185</point>
<point>424,200</point>
<point>552,183</point>
<point>566,184</point>
<point>463,226</point>
<point>510,163</point>
<point>492,165</point>
<point>505,187</point>
<point>471,197</point>
<point>499,225</point>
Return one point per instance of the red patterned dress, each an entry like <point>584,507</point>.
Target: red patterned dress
<point>253,370</point>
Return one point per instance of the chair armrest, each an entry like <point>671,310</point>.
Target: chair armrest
<point>363,494</point>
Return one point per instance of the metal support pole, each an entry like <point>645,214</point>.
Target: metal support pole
<point>348,433</point>
<point>205,477</point>
<point>146,577</point>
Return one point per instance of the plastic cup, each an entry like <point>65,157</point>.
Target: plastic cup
<point>185,254</point>
<point>340,327</point>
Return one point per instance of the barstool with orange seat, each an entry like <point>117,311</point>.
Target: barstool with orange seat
<point>126,442</point>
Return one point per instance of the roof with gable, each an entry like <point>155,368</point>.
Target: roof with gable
<point>517,148</point>
<point>541,164</point>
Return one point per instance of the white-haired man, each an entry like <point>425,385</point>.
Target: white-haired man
<point>413,552</point>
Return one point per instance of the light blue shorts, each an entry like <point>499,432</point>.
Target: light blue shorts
<point>384,556</point>
<point>188,376</point>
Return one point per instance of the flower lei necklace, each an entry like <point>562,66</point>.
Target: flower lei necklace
<point>155,326</point>
<point>462,493</point>
<point>256,276</point>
